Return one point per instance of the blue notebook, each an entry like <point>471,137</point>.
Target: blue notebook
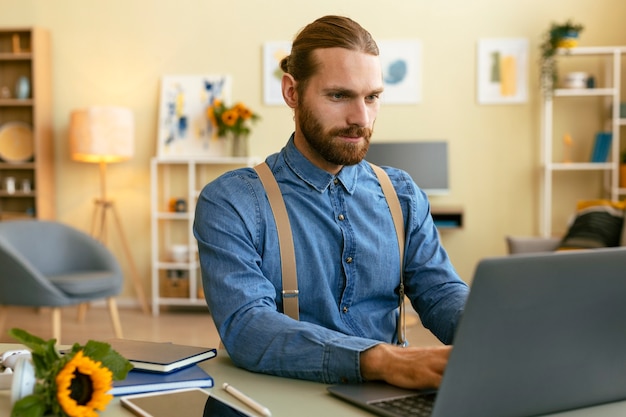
<point>139,381</point>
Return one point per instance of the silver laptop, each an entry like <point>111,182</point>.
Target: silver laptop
<point>541,333</point>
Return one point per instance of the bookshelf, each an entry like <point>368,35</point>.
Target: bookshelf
<point>573,107</point>
<point>26,143</point>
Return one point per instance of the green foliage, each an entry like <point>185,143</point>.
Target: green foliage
<point>552,41</point>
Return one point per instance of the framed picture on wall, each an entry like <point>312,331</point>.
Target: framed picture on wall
<point>273,53</point>
<point>184,130</point>
<point>502,71</point>
<point>401,62</point>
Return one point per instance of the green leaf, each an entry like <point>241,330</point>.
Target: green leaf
<point>27,339</point>
<point>29,406</point>
<point>117,364</point>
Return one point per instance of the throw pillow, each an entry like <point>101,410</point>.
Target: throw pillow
<point>598,224</point>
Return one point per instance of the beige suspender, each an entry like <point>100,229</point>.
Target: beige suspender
<point>396,214</point>
<point>285,240</point>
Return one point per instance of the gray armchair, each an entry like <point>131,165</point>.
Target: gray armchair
<point>522,244</point>
<point>49,264</point>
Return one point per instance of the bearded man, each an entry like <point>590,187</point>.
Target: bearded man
<point>345,243</point>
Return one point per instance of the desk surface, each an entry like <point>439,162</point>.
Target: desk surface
<point>288,397</point>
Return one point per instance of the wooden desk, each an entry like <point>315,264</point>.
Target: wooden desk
<point>289,397</point>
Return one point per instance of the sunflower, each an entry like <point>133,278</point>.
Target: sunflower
<point>229,117</point>
<point>73,384</point>
<point>82,386</point>
<point>243,112</point>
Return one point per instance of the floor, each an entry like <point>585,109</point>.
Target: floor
<point>183,326</point>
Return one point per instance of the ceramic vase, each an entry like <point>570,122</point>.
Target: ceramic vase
<point>240,146</point>
<point>22,88</point>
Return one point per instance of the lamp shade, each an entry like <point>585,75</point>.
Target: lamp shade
<point>102,134</point>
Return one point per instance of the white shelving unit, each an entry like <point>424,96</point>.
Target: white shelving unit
<point>175,186</point>
<point>609,92</point>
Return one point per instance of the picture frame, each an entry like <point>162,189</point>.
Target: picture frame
<point>184,130</point>
<point>502,71</point>
<point>273,53</point>
<point>401,62</point>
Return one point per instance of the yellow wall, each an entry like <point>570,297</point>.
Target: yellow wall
<point>113,53</point>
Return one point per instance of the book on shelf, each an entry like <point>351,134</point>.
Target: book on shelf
<point>160,357</point>
<point>601,147</point>
<point>138,381</point>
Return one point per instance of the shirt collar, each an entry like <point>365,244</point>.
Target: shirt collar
<point>314,176</point>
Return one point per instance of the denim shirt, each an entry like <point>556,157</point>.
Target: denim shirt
<point>347,262</point>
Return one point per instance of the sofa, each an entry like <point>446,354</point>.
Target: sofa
<point>596,224</point>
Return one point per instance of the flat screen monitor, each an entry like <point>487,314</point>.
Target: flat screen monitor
<point>425,161</point>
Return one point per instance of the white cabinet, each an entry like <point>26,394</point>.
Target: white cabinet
<point>175,186</point>
<point>580,112</point>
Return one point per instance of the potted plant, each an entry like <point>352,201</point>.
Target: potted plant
<point>557,36</point>
<point>234,122</point>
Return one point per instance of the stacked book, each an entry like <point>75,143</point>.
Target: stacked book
<point>161,366</point>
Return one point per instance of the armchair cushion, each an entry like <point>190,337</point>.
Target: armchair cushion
<point>531,244</point>
<point>597,224</point>
<point>84,283</point>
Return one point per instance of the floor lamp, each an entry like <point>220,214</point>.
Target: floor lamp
<point>105,135</point>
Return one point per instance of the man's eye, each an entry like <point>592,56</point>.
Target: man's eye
<point>337,96</point>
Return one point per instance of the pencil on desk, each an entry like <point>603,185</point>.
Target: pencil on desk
<point>264,411</point>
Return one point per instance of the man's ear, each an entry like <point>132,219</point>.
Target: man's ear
<point>288,85</point>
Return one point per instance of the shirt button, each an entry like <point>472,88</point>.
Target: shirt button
<point>349,259</point>
<point>341,217</point>
<point>345,309</point>
<point>336,181</point>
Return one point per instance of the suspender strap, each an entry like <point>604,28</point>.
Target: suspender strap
<point>285,241</point>
<point>396,214</point>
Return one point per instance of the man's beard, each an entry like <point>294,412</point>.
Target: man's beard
<point>325,143</point>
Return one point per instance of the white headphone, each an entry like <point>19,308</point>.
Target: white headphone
<point>8,360</point>
<point>17,373</point>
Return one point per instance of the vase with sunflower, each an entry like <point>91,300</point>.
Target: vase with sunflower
<point>232,122</point>
<point>73,384</point>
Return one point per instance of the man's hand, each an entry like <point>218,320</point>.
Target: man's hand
<point>408,367</point>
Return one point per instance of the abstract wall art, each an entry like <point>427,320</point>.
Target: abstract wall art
<point>184,129</point>
<point>273,53</point>
<point>502,71</point>
<point>402,71</point>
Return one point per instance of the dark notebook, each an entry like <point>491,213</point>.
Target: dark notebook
<point>160,357</point>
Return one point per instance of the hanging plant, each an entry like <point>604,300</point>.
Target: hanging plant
<point>559,36</point>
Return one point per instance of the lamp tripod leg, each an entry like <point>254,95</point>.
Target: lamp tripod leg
<point>136,278</point>
<point>98,220</point>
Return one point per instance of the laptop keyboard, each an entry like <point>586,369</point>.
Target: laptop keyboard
<point>420,405</point>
